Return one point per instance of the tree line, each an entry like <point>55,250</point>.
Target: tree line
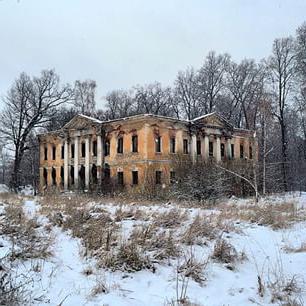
<point>268,96</point>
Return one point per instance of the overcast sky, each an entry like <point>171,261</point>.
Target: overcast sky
<point>120,43</point>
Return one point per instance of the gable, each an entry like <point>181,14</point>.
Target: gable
<point>213,120</point>
<point>80,122</point>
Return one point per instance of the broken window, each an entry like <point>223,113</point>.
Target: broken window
<point>120,178</point>
<point>72,175</point>
<point>134,143</point>
<point>233,150</point>
<point>172,177</point>
<point>53,175</point>
<point>46,153</point>
<point>222,148</point>
<point>211,148</point>
<point>72,150</point>
<point>106,171</point>
<point>158,144</point>
<point>135,177</point>
<point>107,147</point>
<point>172,145</point>
<point>120,145</point>
<point>83,149</point>
<point>63,152</point>
<point>62,175</point>
<point>158,175</point>
<point>54,152</point>
<point>198,147</point>
<point>185,146</point>
<point>251,152</point>
<point>94,148</point>
<point>45,175</point>
<point>241,151</point>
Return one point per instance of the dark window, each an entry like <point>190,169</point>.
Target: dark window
<point>120,178</point>
<point>158,144</point>
<point>94,148</point>
<point>172,177</point>
<point>222,148</point>
<point>62,175</point>
<point>94,173</point>
<point>53,152</point>
<point>233,150</point>
<point>72,150</point>
<point>106,172</point>
<point>158,175</point>
<point>46,153</point>
<point>211,148</point>
<point>172,145</point>
<point>120,145</point>
<point>72,175</point>
<point>45,174</point>
<point>241,151</point>
<point>134,143</point>
<point>63,152</point>
<point>185,146</point>
<point>107,147</point>
<point>83,149</point>
<point>135,177</point>
<point>53,174</point>
<point>251,152</point>
<point>199,147</point>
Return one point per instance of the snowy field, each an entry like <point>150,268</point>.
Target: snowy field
<point>73,250</point>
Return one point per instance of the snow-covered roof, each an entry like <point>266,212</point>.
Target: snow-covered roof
<point>90,118</point>
<point>146,115</point>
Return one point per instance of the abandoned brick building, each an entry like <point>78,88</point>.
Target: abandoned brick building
<point>87,151</point>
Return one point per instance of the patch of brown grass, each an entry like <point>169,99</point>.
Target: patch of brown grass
<point>201,227</point>
<point>170,219</point>
<point>29,240</point>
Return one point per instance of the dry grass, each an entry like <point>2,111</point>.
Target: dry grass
<point>201,227</point>
<point>299,249</point>
<point>193,268</point>
<point>286,290</point>
<point>170,219</point>
<point>128,257</point>
<point>224,252</point>
<point>276,215</point>
<point>28,238</point>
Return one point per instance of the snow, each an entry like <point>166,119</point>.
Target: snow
<point>62,280</point>
<point>4,188</point>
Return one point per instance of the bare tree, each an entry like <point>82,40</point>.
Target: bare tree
<point>187,93</point>
<point>29,104</point>
<point>211,78</point>
<point>154,99</point>
<point>301,51</point>
<point>245,84</point>
<point>119,103</point>
<point>84,97</point>
<point>282,69</point>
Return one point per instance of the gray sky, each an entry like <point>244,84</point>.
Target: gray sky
<point>121,43</point>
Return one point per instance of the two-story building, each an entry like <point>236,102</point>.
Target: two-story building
<point>86,151</point>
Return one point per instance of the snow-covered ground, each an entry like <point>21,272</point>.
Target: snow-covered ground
<point>270,257</point>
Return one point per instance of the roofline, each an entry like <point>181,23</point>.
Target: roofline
<point>146,115</point>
